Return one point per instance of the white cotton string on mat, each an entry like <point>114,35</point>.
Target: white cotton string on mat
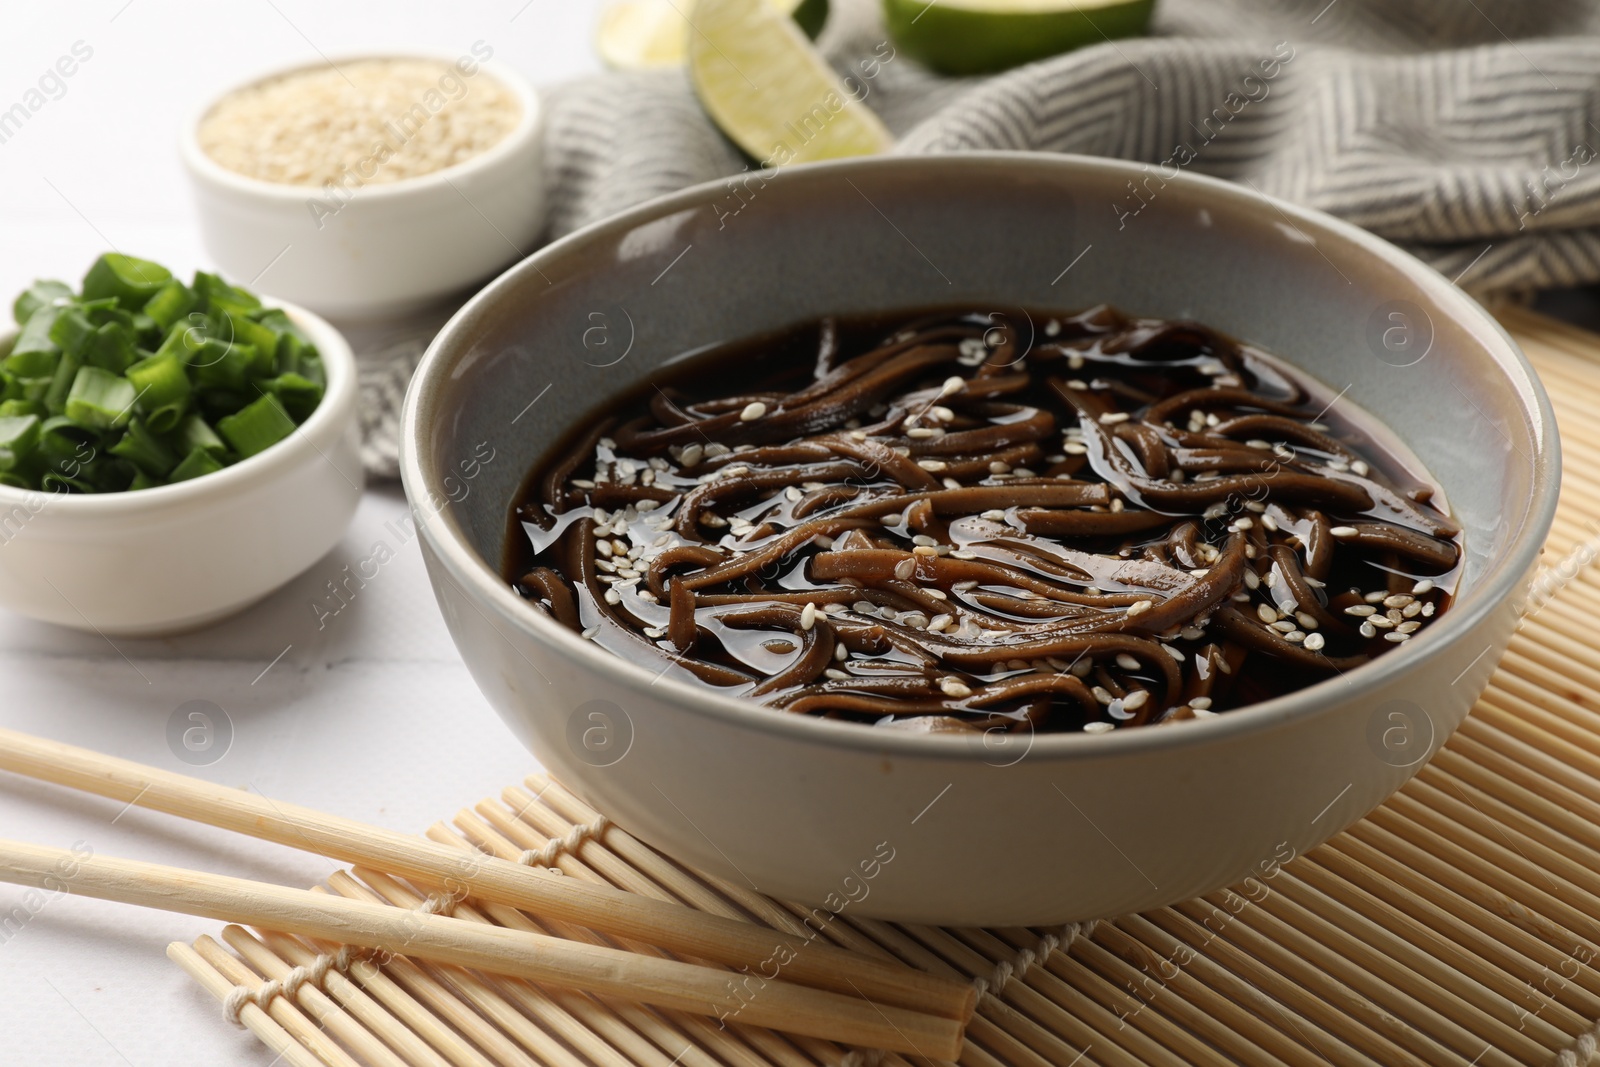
<point>545,856</point>
<point>1018,965</point>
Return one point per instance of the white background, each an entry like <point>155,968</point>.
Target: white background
<point>372,716</point>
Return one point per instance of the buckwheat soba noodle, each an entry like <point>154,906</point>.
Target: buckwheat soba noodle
<point>971,522</point>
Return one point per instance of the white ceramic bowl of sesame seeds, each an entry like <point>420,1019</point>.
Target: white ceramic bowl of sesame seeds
<point>369,185</point>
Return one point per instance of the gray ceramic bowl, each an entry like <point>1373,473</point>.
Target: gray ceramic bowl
<point>1063,826</point>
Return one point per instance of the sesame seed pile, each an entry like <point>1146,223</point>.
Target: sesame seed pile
<point>365,122</point>
<point>1092,523</point>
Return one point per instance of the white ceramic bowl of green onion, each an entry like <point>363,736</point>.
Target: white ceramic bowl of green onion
<point>198,514</point>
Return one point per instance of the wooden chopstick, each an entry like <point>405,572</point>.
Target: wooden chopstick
<point>603,908</point>
<point>548,960</point>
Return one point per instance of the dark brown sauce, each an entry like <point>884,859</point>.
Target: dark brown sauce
<point>997,523</point>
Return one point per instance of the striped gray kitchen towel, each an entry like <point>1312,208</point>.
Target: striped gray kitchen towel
<point>1462,130</point>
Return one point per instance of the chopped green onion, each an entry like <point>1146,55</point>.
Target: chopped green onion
<point>55,398</point>
<point>35,333</point>
<point>139,379</point>
<point>100,400</point>
<point>194,432</point>
<point>131,281</point>
<point>170,303</point>
<point>112,348</point>
<point>253,428</point>
<point>195,464</point>
<point>72,332</point>
<point>40,294</point>
<point>299,396</point>
<point>161,381</point>
<point>19,437</point>
<point>21,407</point>
<point>141,448</point>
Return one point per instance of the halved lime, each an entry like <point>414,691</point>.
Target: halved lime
<point>980,36</point>
<point>773,95</point>
<point>642,34</point>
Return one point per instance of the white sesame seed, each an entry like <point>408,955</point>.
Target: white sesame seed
<point>1382,622</point>
<point>925,550</point>
<point>1427,610</point>
<point>1359,467</point>
<point>1097,727</point>
<point>1139,607</point>
<point>905,569</point>
<point>1375,598</point>
<point>793,492</point>
<point>1422,588</point>
<point>1399,600</point>
<point>588,635</point>
<point>1269,523</point>
<point>1266,613</point>
<point>1201,703</point>
<point>892,520</point>
<point>1244,522</point>
<point>752,411</point>
<point>940,622</point>
<point>841,653</point>
<point>1127,662</point>
<point>963,554</point>
<point>1343,531</point>
<point>582,483</point>
<point>1409,627</point>
<point>954,687</point>
<point>999,467</point>
<point>1252,580</point>
<point>1294,637</point>
<point>994,515</point>
<point>836,675</point>
<point>1284,626</point>
<point>1411,610</point>
<point>1396,636</point>
<point>1192,633</point>
<point>922,433</point>
<point>1315,642</point>
<point>1075,448</point>
<point>1111,418</point>
<point>952,385</point>
<point>1135,700</point>
<point>613,597</point>
<point>937,594</point>
<point>1102,694</point>
<point>808,616</point>
<point>1368,630</point>
<point>1307,621</point>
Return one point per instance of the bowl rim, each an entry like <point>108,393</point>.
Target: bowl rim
<point>338,360</point>
<point>458,563</point>
<point>201,165</point>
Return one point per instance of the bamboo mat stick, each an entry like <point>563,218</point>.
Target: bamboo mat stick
<point>283,1012</point>
<point>458,997</point>
<point>380,1000</point>
<point>1494,986</point>
<point>660,1030</point>
<point>541,1019</point>
<point>602,908</point>
<point>1356,859</point>
<point>593,969</point>
<point>1432,1008</point>
<point>270,1034</point>
<point>323,1007</point>
<point>486,837</point>
<point>1282,1032</point>
<point>525,824</point>
<point>508,1011</point>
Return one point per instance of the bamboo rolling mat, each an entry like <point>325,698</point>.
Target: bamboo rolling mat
<point>1458,924</point>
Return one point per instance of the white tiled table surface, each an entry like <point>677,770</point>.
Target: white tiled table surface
<point>372,715</point>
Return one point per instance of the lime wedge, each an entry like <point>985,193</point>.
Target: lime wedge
<point>646,34</point>
<point>980,36</point>
<point>773,95</point>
